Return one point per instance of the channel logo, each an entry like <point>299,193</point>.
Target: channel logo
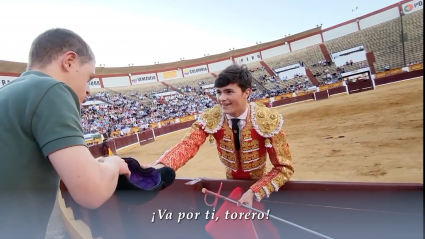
<point>413,6</point>
<point>409,7</point>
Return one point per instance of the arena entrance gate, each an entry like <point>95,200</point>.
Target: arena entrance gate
<point>360,86</point>
<point>358,81</point>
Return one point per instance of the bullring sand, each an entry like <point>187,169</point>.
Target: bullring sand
<point>382,129</point>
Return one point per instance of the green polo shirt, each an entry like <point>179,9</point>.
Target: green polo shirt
<point>38,116</point>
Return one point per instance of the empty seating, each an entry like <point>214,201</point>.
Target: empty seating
<point>345,42</point>
<point>386,43</point>
<point>414,36</point>
<point>308,56</point>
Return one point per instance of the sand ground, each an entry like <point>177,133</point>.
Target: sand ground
<point>382,129</point>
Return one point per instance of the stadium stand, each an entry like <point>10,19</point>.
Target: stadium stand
<point>384,40</point>
<point>413,27</point>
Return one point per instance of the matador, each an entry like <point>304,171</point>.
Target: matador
<point>243,142</point>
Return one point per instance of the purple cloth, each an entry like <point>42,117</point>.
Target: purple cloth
<point>144,178</point>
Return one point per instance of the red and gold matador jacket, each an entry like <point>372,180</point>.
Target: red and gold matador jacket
<point>262,135</point>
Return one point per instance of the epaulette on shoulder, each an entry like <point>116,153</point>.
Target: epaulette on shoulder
<point>266,121</point>
<point>212,119</point>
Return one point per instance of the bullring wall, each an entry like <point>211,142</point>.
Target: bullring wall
<point>149,136</point>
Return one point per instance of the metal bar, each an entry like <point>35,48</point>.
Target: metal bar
<point>204,190</point>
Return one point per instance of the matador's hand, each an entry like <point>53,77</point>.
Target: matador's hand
<point>247,198</point>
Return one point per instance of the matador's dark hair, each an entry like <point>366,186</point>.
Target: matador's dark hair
<point>235,74</point>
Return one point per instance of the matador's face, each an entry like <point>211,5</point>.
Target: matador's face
<point>232,99</point>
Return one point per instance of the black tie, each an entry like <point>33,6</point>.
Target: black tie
<point>235,129</point>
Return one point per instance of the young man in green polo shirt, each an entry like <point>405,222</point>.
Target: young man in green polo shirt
<point>42,138</point>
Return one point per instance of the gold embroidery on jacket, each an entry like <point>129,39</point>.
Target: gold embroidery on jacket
<point>228,159</point>
<point>253,160</point>
<point>257,174</point>
<point>212,119</point>
<point>248,146</point>
<point>227,143</point>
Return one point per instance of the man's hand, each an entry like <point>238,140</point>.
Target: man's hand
<point>247,198</point>
<point>119,162</point>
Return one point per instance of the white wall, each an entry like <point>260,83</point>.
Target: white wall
<point>116,81</point>
<point>306,42</point>
<point>376,19</point>
<point>275,51</point>
<point>250,58</point>
<point>340,31</point>
<point>218,66</point>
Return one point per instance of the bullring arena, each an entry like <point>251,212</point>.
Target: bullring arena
<point>353,114</point>
<point>382,129</point>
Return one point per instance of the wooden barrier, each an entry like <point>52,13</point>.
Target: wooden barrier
<point>359,86</point>
<point>399,77</point>
<point>321,95</point>
<point>337,90</point>
<point>389,72</point>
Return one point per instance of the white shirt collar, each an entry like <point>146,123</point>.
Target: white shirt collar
<point>242,116</point>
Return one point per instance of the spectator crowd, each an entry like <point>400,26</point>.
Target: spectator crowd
<point>121,112</point>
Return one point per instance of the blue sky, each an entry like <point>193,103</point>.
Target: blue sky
<point>143,32</point>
